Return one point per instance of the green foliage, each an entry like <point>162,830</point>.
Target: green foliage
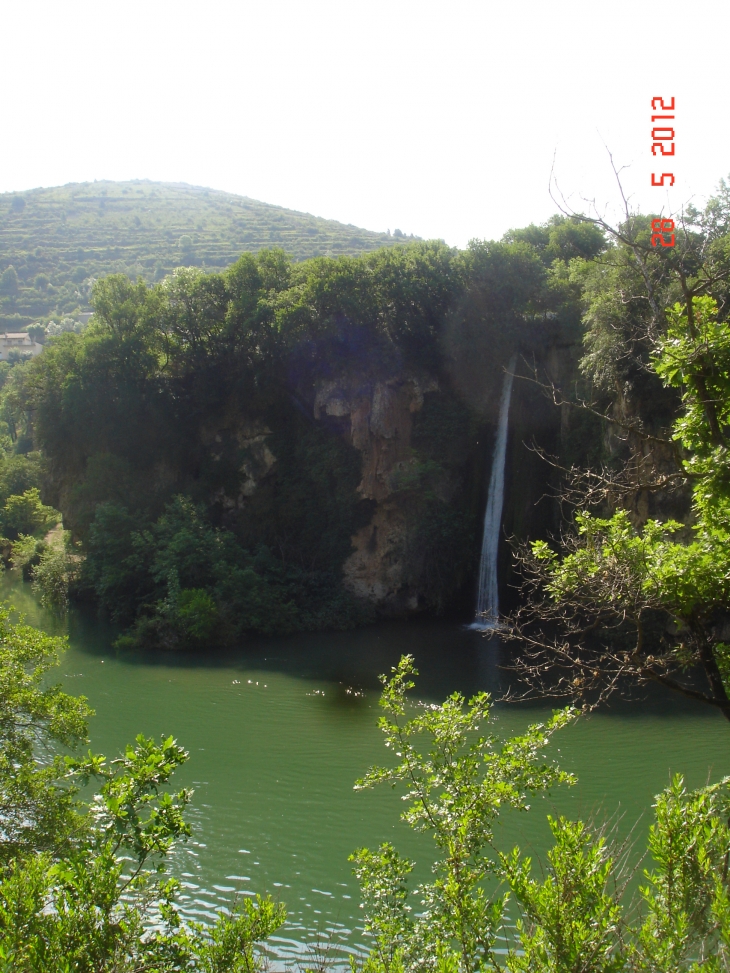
<point>26,514</point>
<point>657,358</point>
<point>455,793</point>
<point>197,614</point>
<point>192,585</point>
<point>144,229</point>
<point>694,356</point>
<point>444,430</point>
<point>83,885</point>
<point>561,238</point>
<point>440,553</point>
<point>613,574</point>
<point>57,571</point>
<point>443,515</point>
<point>38,811</point>
<point>9,281</point>
<point>508,277</point>
<point>240,350</point>
<point>312,507</point>
<point>572,916</point>
<point>230,946</point>
<point>508,305</point>
<point>686,894</point>
<point>12,407</point>
<point>18,474</point>
<point>571,919</point>
<point>575,920</point>
<point>619,563</point>
<point>113,566</point>
<point>371,314</point>
<point>25,554</point>
<point>205,386</point>
<point>616,308</point>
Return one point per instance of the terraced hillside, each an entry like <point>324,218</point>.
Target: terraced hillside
<point>54,242</point>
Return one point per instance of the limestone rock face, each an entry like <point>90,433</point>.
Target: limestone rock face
<point>381,419</point>
<point>250,437</point>
<point>259,460</point>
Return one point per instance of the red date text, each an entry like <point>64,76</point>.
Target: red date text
<point>662,144</point>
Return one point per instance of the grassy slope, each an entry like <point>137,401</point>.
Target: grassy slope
<point>77,232</point>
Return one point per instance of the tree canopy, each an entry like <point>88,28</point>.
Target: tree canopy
<point>631,595</point>
<point>173,389</point>
<point>58,241</point>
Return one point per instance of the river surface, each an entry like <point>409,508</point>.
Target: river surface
<point>279,730</point>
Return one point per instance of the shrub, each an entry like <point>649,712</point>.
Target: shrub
<point>26,514</point>
<point>25,554</point>
<point>571,917</point>
<point>57,571</point>
<point>83,884</point>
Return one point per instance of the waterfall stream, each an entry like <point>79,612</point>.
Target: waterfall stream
<point>487,614</point>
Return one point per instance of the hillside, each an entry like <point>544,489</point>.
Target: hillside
<point>53,242</point>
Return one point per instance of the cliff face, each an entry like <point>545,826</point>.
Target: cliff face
<point>293,454</point>
<point>375,485</point>
<point>378,484</point>
<point>251,439</point>
<point>423,460</point>
<point>380,427</point>
<point>389,469</point>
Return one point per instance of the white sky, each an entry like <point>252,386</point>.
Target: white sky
<point>440,119</point>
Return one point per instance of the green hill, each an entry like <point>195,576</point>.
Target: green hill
<point>54,242</point>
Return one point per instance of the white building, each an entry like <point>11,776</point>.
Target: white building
<point>20,342</point>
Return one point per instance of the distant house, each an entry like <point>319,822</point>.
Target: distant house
<point>19,342</point>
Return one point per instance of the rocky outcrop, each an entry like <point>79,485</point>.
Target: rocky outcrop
<point>250,437</point>
<point>380,424</point>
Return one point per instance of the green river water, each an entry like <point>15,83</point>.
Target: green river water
<point>279,731</point>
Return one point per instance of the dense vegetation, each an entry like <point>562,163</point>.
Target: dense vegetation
<point>571,911</point>
<point>179,440</point>
<point>55,242</point>
<point>637,589</point>
<point>151,420</point>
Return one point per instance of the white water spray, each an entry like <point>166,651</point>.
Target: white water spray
<point>487,616</point>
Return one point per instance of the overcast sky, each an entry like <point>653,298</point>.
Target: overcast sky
<point>440,119</point>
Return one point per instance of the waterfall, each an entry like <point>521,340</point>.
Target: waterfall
<point>488,597</point>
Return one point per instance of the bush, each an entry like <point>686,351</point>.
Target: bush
<point>190,584</point>
<point>9,284</point>
<point>25,554</point>
<point>67,898</point>
<point>571,917</point>
<point>26,514</point>
<point>18,474</point>
<point>57,571</point>
<point>197,614</point>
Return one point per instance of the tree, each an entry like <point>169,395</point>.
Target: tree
<point>57,570</point>
<point>572,914</point>
<point>9,284</point>
<point>622,597</point>
<point>455,793</point>
<point>27,514</point>
<point>82,883</point>
<point>37,332</point>
<point>36,802</point>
